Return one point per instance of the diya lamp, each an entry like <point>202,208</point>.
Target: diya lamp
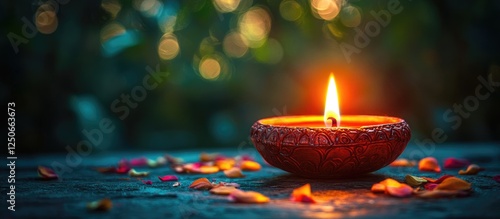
<point>331,145</point>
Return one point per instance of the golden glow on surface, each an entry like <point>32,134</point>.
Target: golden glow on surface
<point>316,121</point>
<point>46,19</point>
<point>332,103</point>
<point>325,9</point>
<point>168,47</point>
<point>290,10</point>
<point>225,6</point>
<point>255,25</point>
<point>209,68</point>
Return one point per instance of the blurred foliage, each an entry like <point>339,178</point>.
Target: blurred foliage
<point>231,62</point>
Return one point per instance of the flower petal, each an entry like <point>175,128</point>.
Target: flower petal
<point>402,162</point>
<point>47,173</point>
<point>378,188</point>
<point>429,164</point>
<point>472,169</point>
<point>497,178</point>
<point>414,180</point>
<point>225,164</point>
<point>249,165</point>
<point>302,194</point>
<point>122,169</point>
<point>247,197</point>
<point>135,173</point>
<point>234,172</point>
<point>440,193</point>
<point>172,160</point>
<point>168,178</point>
<point>401,191</point>
<point>100,205</point>
<point>147,182</point>
<point>222,190</point>
<point>455,163</point>
<point>437,181</point>
<point>141,161</point>
<point>201,184</point>
<point>430,186</point>
<point>454,183</point>
<point>205,157</point>
<point>176,184</point>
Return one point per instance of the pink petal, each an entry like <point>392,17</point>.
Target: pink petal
<point>401,191</point>
<point>122,169</point>
<point>47,173</point>
<point>497,178</point>
<point>455,163</point>
<point>437,181</point>
<point>147,182</point>
<point>430,186</point>
<point>142,161</point>
<point>168,178</point>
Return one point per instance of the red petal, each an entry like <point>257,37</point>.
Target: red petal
<point>142,161</point>
<point>430,186</point>
<point>455,163</point>
<point>437,181</point>
<point>168,178</point>
<point>122,169</point>
<point>303,198</point>
<point>147,182</point>
<point>47,173</point>
<point>497,178</point>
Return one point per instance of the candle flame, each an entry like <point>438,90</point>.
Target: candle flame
<point>332,104</point>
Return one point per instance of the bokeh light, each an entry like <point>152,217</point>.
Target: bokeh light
<point>111,30</point>
<point>113,7</point>
<point>234,45</point>
<point>209,68</point>
<point>325,9</point>
<point>290,10</point>
<point>46,19</point>
<point>149,8</point>
<point>271,52</point>
<point>255,25</point>
<point>225,6</point>
<point>168,48</point>
<point>350,16</point>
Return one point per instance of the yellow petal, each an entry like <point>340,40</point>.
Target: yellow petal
<point>429,164</point>
<point>225,164</point>
<point>201,184</point>
<point>390,182</point>
<point>249,165</point>
<point>100,205</point>
<point>414,180</point>
<point>454,183</point>
<point>234,172</point>
<point>208,169</point>
<point>247,197</point>
<point>472,169</point>
<point>302,194</point>
<point>222,190</point>
<point>378,188</point>
<point>134,173</point>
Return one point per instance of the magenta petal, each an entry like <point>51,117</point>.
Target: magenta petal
<point>141,161</point>
<point>168,178</point>
<point>147,182</point>
<point>122,169</point>
<point>497,178</point>
<point>430,186</point>
<point>455,163</point>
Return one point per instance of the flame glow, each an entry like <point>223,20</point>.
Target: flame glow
<point>332,103</point>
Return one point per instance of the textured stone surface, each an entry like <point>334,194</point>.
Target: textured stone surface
<point>339,198</point>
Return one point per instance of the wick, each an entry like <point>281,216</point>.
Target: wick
<point>334,121</point>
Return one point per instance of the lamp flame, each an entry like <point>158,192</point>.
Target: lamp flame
<point>332,112</point>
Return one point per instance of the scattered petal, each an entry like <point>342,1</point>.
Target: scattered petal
<point>414,180</point>
<point>454,183</point>
<point>172,160</point>
<point>302,194</point>
<point>201,184</point>
<point>390,182</point>
<point>147,182</point>
<point>401,191</point>
<point>141,161</point>
<point>378,188</point>
<point>234,172</point>
<point>100,205</point>
<point>205,157</point>
<point>403,163</point>
<point>225,164</point>
<point>222,190</point>
<point>106,169</point>
<point>208,169</point>
<point>135,173</point>
<point>430,186</point>
<point>249,165</point>
<point>176,184</point>
<point>437,181</point>
<point>168,178</point>
<point>47,173</point>
<point>472,169</point>
<point>122,169</point>
<point>429,164</point>
<point>497,178</point>
<point>455,163</point>
<point>153,163</point>
<point>247,197</point>
<point>441,193</point>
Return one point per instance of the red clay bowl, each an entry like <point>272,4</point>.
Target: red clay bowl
<point>304,146</point>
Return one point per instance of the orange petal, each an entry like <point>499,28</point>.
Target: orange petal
<point>234,172</point>
<point>222,190</point>
<point>247,197</point>
<point>401,191</point>
<point>135,173</point>
<point>225,164</point>
<point>390,182</point>
<point>47,173</point>
<point>454,183</point>
<point>302,194</point>
<point>208,169</point>
<point>402,163</point>
<point>440,193</point>
<point>201,184</point>
<point>378,188</point>
<point>472,169</point>
<point>100,205</point>
<point>429,164</point>
<point>249,165</point>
